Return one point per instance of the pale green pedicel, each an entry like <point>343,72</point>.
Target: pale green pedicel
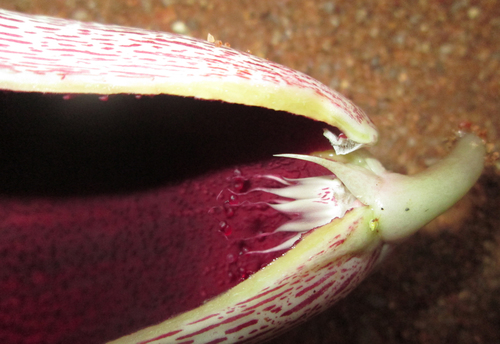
<point>403,204</point>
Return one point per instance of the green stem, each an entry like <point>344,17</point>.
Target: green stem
<point>403,204</point>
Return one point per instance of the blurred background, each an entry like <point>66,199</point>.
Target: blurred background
<point>421,70</point>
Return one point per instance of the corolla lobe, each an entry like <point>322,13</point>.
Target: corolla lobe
<point>141,183</point>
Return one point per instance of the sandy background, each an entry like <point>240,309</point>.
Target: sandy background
<point>420,69</point>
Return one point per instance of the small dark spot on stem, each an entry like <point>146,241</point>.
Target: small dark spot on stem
<point>407,209</point>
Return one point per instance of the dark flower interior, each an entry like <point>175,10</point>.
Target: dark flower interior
<point>119,212</point>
